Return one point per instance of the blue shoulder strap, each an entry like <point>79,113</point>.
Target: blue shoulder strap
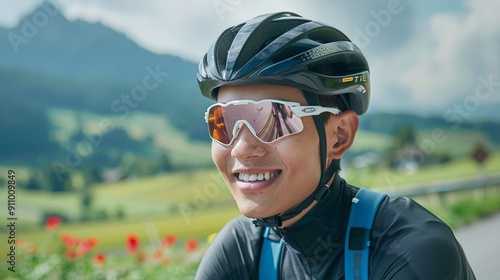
<point>270,257</point>
<point>357,241</point>
<point>363,210</point>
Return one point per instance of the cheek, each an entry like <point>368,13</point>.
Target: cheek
<point>219,154</point>
<point>302,158</point>
<point>313,156</point>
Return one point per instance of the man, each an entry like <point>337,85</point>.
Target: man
<point>289,91</point>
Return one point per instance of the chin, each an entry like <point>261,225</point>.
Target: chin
<point>255,211</point>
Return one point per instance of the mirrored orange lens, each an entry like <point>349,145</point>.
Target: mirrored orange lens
<point>269,120</point>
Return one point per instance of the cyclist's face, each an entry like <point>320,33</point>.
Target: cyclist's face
<point>266,179</point>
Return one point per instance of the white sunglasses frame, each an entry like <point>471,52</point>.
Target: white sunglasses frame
<point>297,109</point>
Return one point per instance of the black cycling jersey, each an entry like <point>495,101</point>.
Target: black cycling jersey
<point>407,242</point>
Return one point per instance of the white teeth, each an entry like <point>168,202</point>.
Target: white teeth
<point>256,177</point>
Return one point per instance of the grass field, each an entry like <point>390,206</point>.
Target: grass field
<point>187,204</point>
<point>190,204</point>
<point>197,203</point>
<point>197,223</point>
<point>139,125</point>
<point>389,179</point>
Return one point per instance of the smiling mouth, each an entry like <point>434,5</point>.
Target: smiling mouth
<point>257,176</point>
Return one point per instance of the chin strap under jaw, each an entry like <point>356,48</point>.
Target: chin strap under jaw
<point>321,193</point>
<point>277,220</point>
<point>322,190</point>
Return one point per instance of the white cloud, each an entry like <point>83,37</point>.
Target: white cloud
<point>185,29</point>
<point>419,58</point>
<point>188,28</point>
<point>11,10</point>
<point>441,66</point>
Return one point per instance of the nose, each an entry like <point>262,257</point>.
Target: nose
<point>246,145</point>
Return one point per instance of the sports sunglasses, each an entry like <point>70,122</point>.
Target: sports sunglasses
<point>268,120</point>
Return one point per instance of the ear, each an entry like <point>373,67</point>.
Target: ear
<point>340,133</point>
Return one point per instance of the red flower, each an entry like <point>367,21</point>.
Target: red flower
<point>68,240</point>
<point>53,222</point>
<point>132,243</point>
<point>99,258</point>
<point>72,254</point>
<point>86,245</point>
<point>93,241</point>
<point>191,244</point>
<point>169,240</point>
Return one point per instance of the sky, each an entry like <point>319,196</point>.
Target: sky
<point>438,57</point>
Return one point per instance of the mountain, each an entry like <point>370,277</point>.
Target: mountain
<point>48,61</point>
<point>81,49</point>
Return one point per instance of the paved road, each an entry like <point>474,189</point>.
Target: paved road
<point>481,242</point>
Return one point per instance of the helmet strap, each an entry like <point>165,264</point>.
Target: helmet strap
<point>322,191</point>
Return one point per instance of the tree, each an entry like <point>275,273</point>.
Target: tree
<point>51,181</point>
<point>25,130</point>
<point>405,136</point>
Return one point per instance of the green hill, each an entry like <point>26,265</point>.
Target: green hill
<point>73,77</point>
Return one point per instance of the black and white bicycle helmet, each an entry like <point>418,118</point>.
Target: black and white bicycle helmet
<point>287,49</point>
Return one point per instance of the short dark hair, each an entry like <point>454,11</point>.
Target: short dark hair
<point>334,101</point>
